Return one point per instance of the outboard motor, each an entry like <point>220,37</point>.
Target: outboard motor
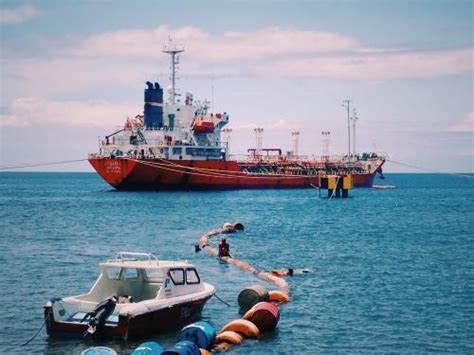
<point>99,315</point>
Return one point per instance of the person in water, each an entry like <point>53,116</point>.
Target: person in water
<point>290,272</point>
<point>224,248</point>
<point>282,273</point>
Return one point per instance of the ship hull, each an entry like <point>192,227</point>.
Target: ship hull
<point>158,174</point>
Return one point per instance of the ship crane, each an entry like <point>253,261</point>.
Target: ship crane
<point>113,134</point>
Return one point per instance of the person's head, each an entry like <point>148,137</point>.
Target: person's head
<point>223,240</point>
<point>290,272</point>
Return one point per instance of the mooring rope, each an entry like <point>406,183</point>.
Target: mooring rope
<point>24,166</point>
<point>430,170</point>
<point>39,330</point>
<point>197,171</point>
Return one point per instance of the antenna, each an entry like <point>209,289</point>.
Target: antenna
<point>227,135</point>
<point>259,139</point>
<point>212,91</point>
<point>354,121</point>
<point>326,135</point>
<point>173,50</point>
<point>295,135</point>
<point>347,104</point>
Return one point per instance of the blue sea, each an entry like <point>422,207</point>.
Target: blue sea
<point>392,270</point>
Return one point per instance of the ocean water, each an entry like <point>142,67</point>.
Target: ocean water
<point>392,270</point>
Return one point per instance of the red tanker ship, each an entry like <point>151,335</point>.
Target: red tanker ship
<point>177,145</point>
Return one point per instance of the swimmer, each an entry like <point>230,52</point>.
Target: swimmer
<point>281,273</point>
<point>302,271</point>
<point>290,272</point>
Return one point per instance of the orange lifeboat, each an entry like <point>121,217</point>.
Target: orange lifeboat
<point>203,126</point>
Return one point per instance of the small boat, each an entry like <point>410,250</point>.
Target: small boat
<point>135,295</point>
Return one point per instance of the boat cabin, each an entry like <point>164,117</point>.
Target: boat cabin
<point>136,277</point>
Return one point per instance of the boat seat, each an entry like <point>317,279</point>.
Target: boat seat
<point>138,290</point>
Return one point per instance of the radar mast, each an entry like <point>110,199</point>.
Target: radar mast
<point>173,49</point>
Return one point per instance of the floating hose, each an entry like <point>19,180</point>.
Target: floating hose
<point>262,316</point>
<point>231,228</point>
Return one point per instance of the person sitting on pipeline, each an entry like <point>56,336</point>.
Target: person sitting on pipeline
<point>224,248</point>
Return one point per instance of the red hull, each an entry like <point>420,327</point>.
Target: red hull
<point>128,174</point>
<point>132,327</point>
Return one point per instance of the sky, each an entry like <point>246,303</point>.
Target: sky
<point>72,71</point>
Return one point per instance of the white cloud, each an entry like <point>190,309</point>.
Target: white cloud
<point>29,111</point>
<point>274,125</point>
<point>466,125</point>
<point>386,66</point>
<point>132,56</point>
<point>229,46</point>
<point>17,15</point>
<point>71,74</point>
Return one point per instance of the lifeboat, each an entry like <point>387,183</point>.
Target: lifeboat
<point>203,126</point>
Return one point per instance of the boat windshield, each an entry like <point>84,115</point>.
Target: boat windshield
<point>127,273</point>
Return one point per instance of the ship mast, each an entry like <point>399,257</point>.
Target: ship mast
<point>173,50</point>
<point>354,121</point>
<point>346,104</point>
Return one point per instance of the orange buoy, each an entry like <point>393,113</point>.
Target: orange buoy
<point>264,315</point>
<point>229,337</point>
<point>278,296</point>
<point>242,326</point>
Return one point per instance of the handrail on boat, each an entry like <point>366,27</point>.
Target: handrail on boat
<point>134,256</point>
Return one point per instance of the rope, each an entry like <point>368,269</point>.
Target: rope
<point>220,299</point>
<point>430,170</point>
<point>213,172</point>
<point>24,166</point>
<point>334,190</point>
<point>40,328</point>
<point>221,173</point>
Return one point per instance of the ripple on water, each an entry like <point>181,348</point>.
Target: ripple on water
<point>392,271</point>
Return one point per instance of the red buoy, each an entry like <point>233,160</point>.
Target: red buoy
<point>264,315</point>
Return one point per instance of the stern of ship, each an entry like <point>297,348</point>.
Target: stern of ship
<point>113,170</point>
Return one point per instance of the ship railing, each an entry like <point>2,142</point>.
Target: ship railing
<point>134,256</point>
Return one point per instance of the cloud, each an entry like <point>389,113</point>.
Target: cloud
<point>274,125</point>
<point>18,15</point>
<point>70,74</point>
<point>134,55</point>
<point>229,46</point>
<point>29,111</point>
<point>465,125</point>
<point>372,66</point>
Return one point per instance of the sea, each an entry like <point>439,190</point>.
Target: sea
<point>391,271</point>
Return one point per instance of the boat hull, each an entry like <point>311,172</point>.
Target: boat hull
<point>131,326</point>
<point>134,174</point>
